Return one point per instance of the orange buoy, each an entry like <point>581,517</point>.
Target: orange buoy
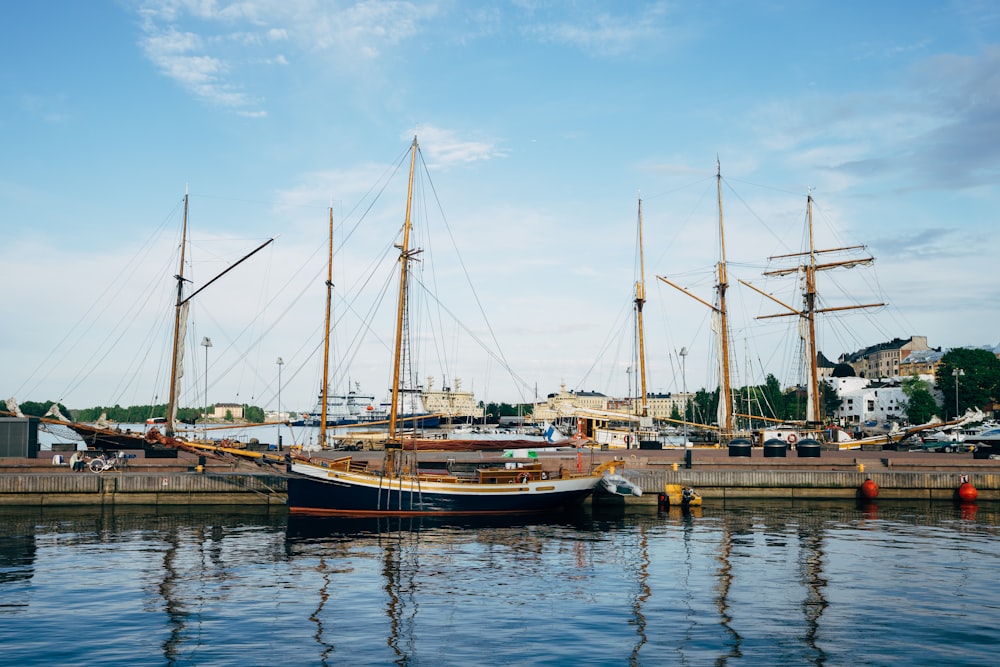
<point>868,490</point>
<point>967,493</point>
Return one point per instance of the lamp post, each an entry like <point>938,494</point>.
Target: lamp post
<point>683,354</point>
<point>280,362</point>
<point>206,342</point>
<point>958,372</point>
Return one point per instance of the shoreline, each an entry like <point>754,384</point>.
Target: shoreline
<point>190,480</point>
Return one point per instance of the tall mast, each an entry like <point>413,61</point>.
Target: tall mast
<point>807,315</point>
<point>725,394</point>
<point>324,390</point>
<point>720,323</point>
<point>179,307</point>
<point>180,320</point>
<point>813,412</point>
<point>640,300</point>
<point>404,264</point>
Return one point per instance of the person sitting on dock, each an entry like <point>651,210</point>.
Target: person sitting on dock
<point>76,461</point>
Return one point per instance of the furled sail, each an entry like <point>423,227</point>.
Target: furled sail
<point>14,408</point>
<point>179,367</point>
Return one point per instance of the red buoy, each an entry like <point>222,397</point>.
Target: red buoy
<point>868,490</point>
<point>967,493</point>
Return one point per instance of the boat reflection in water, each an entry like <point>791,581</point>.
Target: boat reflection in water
<point>761,582</point>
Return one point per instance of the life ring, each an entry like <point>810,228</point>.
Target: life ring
<point>792,438</point>
<point>523,478</point>
<point>628,439</point>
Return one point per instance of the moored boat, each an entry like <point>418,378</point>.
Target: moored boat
<point>398,486</point>
<point>346,487</point>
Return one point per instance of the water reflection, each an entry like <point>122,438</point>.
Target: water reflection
<point>777,582</point>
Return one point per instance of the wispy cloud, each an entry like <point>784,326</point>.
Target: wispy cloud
<point>599,32</point>
<point>214,50</point>
<point>444,148</point>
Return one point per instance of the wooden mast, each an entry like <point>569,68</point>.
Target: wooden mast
<point>725,419</point>
<point>176,347</point>
<point>808,312</point>
<point>404,262</point>
<point>324,389</point>
<point>180,319</point>
<point>725,392</point>
<point>640,300</point>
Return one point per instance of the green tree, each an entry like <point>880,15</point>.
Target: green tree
<point>498,410</point>
<point>772,398</point>
<point>705,406</point>
<point>253,414</point>
<point>830,401</point>
<point>34,409</point>
<point>976,384</point>
<point>920,403</point>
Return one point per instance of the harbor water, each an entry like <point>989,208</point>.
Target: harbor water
<point>748,582</point>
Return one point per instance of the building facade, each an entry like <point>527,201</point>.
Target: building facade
<point>884,359</point>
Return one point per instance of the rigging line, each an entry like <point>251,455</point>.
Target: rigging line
<point>501,358</point>
<point>495,355</point>
<point>777,237</point>
<point>121,282</point>
<point>619,324</point>
<point>442,357</point>
<point>122,329</point>
<point>663,193</point>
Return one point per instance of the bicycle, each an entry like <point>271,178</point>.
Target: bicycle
<point>108,462</point>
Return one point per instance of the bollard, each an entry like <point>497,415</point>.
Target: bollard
<point>674,465</point>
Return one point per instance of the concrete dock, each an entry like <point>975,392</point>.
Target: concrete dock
<point>712,472</point>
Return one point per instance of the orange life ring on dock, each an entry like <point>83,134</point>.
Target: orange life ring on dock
<point>524,478</point>
<point>792,438</point>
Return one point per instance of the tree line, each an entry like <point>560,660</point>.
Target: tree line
<point>134,414</point>
<point>967,378</point>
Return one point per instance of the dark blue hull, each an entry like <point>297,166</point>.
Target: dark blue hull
<point>334,497</point>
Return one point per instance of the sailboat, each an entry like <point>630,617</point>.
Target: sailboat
<point>102,435</point>
<point>399,485</point>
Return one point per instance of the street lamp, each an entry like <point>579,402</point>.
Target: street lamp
<point>280,363</point>
<point>206,342</point>
<point>683,354</point>
<point>958,372</point>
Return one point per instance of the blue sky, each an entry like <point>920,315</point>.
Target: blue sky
<point>540,123</point>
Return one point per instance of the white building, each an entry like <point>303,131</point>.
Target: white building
<point>864,402</point>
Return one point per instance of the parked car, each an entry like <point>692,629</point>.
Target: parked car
<point>985,451</point>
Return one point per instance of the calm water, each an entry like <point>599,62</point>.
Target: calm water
<point>753,583</point>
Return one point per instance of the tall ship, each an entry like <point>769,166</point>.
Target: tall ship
<point>403,483</point>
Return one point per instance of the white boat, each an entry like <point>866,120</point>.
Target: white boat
<point>618,485</point>
<point>987,436</point>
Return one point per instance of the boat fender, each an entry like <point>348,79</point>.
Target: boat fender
<point>545,475</point>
